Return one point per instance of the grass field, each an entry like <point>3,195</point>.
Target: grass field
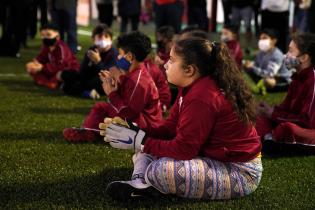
<point>39,170</point>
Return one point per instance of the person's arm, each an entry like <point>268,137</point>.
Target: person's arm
<point>273,66</point>
<point>193,130</point>
<point>108,61</point>
<point>167,128</point>
<point>132,101</point>
<point>42,57</point>
<point>304,109</point>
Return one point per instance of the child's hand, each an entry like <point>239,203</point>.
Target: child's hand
<point>116,73</point>
<point>34,67</point>
<point>109,84</point>
<point>94,56</point>
<point>248,64</point>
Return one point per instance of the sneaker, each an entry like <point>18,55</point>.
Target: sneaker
<point>76,135</point>
<point>129,190</point>
<point>93,94</point>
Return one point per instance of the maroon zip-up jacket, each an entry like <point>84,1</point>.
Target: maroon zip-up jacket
<point>203,123</point>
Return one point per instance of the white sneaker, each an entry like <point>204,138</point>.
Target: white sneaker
<point>94,94</point>
<point>268,137</point>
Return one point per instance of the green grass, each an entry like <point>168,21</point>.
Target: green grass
<point>39,170</point>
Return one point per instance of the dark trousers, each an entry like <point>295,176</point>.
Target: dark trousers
<point>105,13</point>
<point>198,16</point>
<point>75,84</point>
<point>169,15</point>
<point>66,21</point>
<point>134,23</point>
<point>42,5</point>
<point>279,22</point>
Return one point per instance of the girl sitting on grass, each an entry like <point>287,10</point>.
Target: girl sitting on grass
<point>208,147</point>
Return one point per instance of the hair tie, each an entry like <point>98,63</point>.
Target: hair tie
<point>214,49</point>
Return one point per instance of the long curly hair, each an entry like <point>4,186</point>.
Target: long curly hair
<point>213,59</point>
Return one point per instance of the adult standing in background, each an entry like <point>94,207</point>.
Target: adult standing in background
<point>42,5</point>
<point>311,17</point>
<point>275,15</point>
<point>227,7</point>
<point>168,12</point>
<point>64,14</point>
<point>129,10</point>
<point>243,10</point>
<point>105,11</point>
<point>197,13</point>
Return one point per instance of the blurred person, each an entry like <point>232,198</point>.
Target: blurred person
<point>159,78</point>
<point>197,14</point>
<point>311,17</point>
<point>164,40</point>
<point>64,14</point>
<point>227,9</point>
<point>168,13</point>
<point>290,125</point>
<point>130,89</point>
<point>275,15</point>
<point>268,69</point>
<point>229,35</point>
<point>300,15</point>
<point>129,10</point>
<point>54,58</point>
<point>42,5</point>
<point>100,56</point>
<point>243,10</point>
<point>105,11</point>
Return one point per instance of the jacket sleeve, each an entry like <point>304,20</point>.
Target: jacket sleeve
<point>167,128</point>
<point>42,57</point>
<point>62,61</point>
<point>193,130</point>
<point>306,109</point>
<point>132,101</point>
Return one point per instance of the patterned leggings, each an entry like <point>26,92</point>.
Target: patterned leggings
<point>204,178</point>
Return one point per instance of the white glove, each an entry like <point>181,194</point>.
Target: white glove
<point>121,137</point>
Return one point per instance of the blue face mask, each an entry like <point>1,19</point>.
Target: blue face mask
<point>291,62</point>
<point>123,64</point>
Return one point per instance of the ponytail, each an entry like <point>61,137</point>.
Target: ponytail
<point>222,68</point>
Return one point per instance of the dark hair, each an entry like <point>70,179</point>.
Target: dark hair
<point>270,32</point>
<point>214,60</point>
<point>49,26</point>
<point>233,28</point>
<point>167,32</point>
<point>196,33</point>
<point>135,42</point>
<point>102,29</point>
<point>305,42</point>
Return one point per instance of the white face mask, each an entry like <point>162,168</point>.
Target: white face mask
<point>103,43</point>
<point>264,45</point>
<point>225,38</point>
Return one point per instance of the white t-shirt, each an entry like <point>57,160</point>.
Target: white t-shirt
<point>275,5</point>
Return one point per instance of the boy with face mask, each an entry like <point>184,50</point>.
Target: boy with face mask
<point>54,58</point>
<point>130,89</point>
<point>268,70</point>
<point>293,121</point>
<point>102,55</point>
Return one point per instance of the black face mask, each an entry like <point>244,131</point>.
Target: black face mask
<point>49,42</point>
